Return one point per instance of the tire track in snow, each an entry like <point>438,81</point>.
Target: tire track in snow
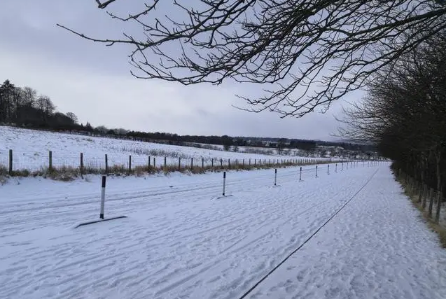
<point>63,217</point>
<point>245,244</point>
<point>307,240</point>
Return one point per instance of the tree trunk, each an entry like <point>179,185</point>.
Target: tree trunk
<point>431,201</point>
<point>421,183</point>
<point>439,200</point>
<point>439,193</point>
<point>425,195</point>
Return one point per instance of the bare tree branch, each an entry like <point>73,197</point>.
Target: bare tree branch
<point>304,53</point>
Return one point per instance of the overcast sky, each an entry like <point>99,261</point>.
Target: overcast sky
<point>94,82</point>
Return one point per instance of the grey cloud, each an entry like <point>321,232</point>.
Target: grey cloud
<point>94,82</point>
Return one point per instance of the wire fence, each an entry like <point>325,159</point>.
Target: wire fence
<point>14,161</point>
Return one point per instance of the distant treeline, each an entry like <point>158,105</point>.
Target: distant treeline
<point>23,107</point>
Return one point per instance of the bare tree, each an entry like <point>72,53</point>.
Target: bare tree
<point>44,104</point>
<point>29,96</point>
<point>404,113</point>
<point>304,53</point>
<point>73,117</point>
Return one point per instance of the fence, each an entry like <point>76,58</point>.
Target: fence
<point>15,161</point>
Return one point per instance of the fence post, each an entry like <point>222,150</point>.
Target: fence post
<point>328,169</point>
<point>101,214</point>
<point>10,162</point>
<point>316,170</point>
<point>179,163</point>
<point>82,163</point>
<point>149,160</point>
<point>249,162</point>
<point>106,164</point>
<point>342,166</point>
<point>229,163</point>
<point>243,163</point>
<point>154,162</point>
<point>50,161</point>
<point>336,167</point>
<point>202,163</point>
<point>212,162</point>
<point>221,163</point>
<point>300,174</point>
<point>275,177</point>
<point>165,162</point>
<point>130,163</point>
<point>191,163</point>
<point>224,183</point>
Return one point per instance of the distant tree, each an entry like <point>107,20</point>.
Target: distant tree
<point>101,129</point>
<point>73,117</point>
<point>7,91</point>
<point>227,142</point>
<point>88,127</point>
<point>60,121</point>
<point>281,145</point>
<point>29,96</point>
<point>44,104</point>
<point>121,131</point>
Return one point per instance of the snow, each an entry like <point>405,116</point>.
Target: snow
<point>31,149</point>
<point>182,239</point>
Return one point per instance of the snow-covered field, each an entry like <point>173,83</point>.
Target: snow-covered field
<point>31,150</point>
<point>350,234</point>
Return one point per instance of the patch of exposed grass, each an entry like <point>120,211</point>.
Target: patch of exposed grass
<point>69,173</point>
<point>435,227</point>
<point>64,173</point>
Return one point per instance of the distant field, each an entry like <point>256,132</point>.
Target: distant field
<point>31,151</point>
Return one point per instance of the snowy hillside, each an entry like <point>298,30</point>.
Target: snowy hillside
<point>30,151</point>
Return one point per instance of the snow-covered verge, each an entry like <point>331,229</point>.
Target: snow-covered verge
<point>31,151</point>
<point>358,237</point>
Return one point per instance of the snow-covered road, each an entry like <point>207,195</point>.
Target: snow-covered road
<point>181,240</point>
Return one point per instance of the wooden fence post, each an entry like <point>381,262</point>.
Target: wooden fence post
<point>11,160</point>
<point>106,164</point>
<point>179,163</point>
<point>50,161</point>
<point>165,162</point>
<point>191,163</point>
<point>130,163</point>
<point>82,163</point>
<point>202,163</point>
